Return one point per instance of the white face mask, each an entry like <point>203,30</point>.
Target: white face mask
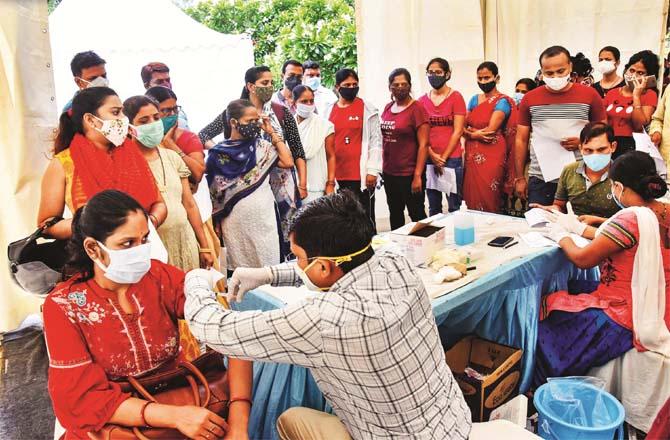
<point>557,83</point>
<point>115,130</point>
<point>302,273</point>
<point>304,110</point>
<point>605,67</point>
<point>100,81</point>
<point>126,266</point>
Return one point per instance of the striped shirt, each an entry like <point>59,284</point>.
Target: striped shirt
<point>554,115</point>
<point>370,342</point>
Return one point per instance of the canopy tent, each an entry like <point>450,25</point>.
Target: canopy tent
<point>512,33</point>
<point>207,70</point>
<point>206,67</point>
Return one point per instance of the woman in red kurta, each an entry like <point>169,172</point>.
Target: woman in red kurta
<point>486,147</point>
<point>117,317</point>
<point>578,332</point>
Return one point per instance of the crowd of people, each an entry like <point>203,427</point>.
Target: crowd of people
<point>293,178</point>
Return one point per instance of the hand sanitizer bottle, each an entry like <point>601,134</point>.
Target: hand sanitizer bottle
<point>464,226</point>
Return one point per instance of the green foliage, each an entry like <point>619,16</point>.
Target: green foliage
<point>319,30</point>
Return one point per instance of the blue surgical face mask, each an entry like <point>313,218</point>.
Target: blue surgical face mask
<point>616,199</point>
<point>518,96</point>
<point>313,82</point>
<point>169,122</point>
<point>597,162</point>
<point>150,135</point>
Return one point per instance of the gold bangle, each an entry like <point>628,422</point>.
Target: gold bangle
<point>205,250</point>
<point>519,178</point>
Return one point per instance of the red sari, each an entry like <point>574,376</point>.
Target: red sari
<point>486,163</point>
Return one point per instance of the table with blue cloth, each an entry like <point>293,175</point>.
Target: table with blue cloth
<point>501,306</point>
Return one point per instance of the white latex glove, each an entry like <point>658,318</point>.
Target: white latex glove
<point>569,222</point>
<point>211,276</point>
<point>245,279</point>
<point>556,232</point>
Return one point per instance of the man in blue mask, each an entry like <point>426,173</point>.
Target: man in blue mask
<point>368,337</point>
<point>585,183</point>
<point>323,96</point>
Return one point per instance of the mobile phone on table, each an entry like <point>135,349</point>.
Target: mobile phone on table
<point>501,241</point>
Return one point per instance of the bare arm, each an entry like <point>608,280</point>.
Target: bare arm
<point>459,124</point>
<point>158,211</point>
<point>196,164</point>
<point>52,201</point>
<point>192,421</point>
<point>301,167</point>
<point>285,157</point>
<point>497,119</point>
<point>593,254</point>
<point>240,374</point>
<point>331,161</point>
<point>521,149</point>
<point>193,213</point>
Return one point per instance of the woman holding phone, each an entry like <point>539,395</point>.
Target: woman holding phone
<point>629,108</point>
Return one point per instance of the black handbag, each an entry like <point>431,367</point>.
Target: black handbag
<point>36,264</point>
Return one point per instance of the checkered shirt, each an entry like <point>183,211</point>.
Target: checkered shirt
<point>370,342</point>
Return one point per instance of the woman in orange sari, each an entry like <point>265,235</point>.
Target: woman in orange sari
<point>93,153</point>
<point>486,147</point>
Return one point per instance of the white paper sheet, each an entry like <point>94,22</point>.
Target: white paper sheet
<point>537,240</point>
<point>551,157</point>
<point>536,217</point>
<point>643,143</point>
<point>445,183</point>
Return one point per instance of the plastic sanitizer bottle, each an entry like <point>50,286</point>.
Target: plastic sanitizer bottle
<point>464,226</point>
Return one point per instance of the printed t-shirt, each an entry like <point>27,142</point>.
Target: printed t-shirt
<point>620,110</point>
<point>399,141</point>
<point>546,113</point>
<point>348,123</point>
<point>441,120</point>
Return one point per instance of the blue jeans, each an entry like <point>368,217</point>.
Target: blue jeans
<point>540,191</point>
<point>454,200</point>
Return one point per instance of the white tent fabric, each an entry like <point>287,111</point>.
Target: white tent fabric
<point>207,67</point>
<point>512,33</point>
<point>28,116</point>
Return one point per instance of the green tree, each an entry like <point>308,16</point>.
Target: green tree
<point>319,30</point>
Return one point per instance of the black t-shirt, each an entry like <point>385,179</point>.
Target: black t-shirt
<point>602,92</point>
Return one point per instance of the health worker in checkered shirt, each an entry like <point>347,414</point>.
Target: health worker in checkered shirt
<point>368,337</point>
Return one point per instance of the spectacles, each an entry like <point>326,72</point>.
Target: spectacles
<point>169,111</point>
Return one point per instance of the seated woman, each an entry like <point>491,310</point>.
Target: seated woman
<point>244,206</point>
<point>183,142</point>
<point>93,153</point>
<point>115,317</point>
<point>318,140</point>
<point>578,332</point>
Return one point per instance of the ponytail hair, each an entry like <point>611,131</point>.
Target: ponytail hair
<point>251,76</point>
<point>71,121</point>
<point>98,219</point>
<point>637,170</point>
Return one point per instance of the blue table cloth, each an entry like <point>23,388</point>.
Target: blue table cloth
<point>502,306</point>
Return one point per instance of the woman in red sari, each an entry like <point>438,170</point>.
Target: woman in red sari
<point>486,147</point>
<point>115,317</point>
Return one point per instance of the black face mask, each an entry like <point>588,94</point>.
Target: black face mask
<point>249,131</point>
<point>400,94</point>
<point>437,81</point>
<point>487,87</point>
<point>349,93</point>
<point>291,82</point>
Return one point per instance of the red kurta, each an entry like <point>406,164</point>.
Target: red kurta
<point>91,341</point>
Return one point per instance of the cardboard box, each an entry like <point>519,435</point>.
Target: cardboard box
<point>499,368</point>
<point>419,241</point>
